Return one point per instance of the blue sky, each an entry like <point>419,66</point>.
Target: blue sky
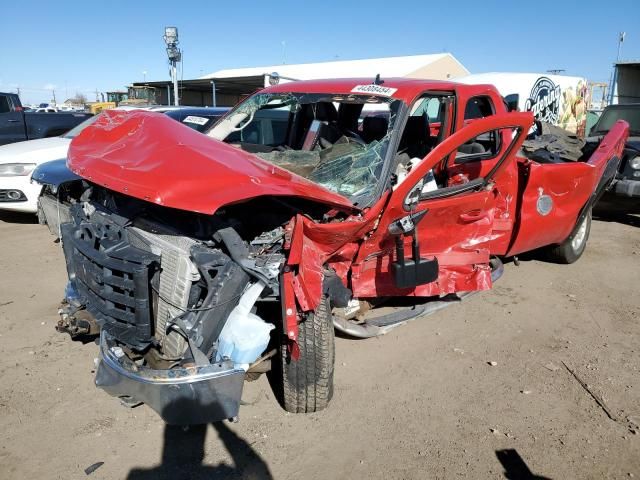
<point>83,46</point>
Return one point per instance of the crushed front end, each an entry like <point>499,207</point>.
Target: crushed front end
<point>161,296</point>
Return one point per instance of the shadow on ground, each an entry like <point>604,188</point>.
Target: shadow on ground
<point>624,210</point>
<point>17,217</point>
<point>618,217</point>
<point>183,456</point>
<point>515,468</point>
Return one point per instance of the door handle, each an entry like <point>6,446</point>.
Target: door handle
<point>474,216</point>
<point>12,121</point>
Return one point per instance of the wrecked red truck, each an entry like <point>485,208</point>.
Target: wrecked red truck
<point>342,204</point>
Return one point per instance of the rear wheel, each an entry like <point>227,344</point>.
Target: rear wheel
<point>308,381</point>
<point>573,247</point>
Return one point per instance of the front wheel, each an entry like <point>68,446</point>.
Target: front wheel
<point>308,381</point>
<point>573,247</point>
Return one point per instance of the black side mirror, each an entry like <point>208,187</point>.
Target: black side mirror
<point>418,270</point>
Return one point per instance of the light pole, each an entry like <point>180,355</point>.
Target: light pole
<point>613,91</point>
<point>144,76</point>
<point>174,54</point>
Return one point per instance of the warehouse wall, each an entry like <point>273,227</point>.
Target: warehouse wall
<point>442,69</point>
<point>628,84</point>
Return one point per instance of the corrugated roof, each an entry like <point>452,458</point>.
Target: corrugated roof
<point>386,67</point>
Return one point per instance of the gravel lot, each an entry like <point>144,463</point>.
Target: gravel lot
<point>425,401</point>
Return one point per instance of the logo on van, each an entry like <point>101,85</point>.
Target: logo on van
<point>544,100</point>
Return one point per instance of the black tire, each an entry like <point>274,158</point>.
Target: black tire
<point>308,382</point>
<point>568,251</point>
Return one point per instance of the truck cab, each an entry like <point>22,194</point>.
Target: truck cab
<point>12,128</point>
<point>17,125</point>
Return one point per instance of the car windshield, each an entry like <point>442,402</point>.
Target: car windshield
<point>612,115</point>
<point>338,141</point>
<point>75,131</point>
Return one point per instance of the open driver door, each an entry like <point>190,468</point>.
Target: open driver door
<point>436,242</point>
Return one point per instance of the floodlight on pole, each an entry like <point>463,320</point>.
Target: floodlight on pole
<point>173,52</point>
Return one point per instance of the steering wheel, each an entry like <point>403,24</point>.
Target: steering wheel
<point>355,137</point>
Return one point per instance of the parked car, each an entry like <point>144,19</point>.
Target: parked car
<point>203,260</point>
<point>17,125</point>
<point>627,182</point>
<point>198,118</point>
<point>19,160</point>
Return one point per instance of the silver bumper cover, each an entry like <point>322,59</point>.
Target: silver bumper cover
<point>182,396</point>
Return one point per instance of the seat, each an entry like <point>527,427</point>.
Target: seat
<point>326,113</point>
<point>374,128</point>
<point>416,139</point>
<point>471,148</point>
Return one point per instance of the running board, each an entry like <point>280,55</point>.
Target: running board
<point>373,327</point>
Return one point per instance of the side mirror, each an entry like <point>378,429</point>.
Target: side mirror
<point>511,102</point>
<point>407,224</point>
<point>418,270</point>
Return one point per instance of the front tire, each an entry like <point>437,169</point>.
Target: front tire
<point>573,247</point>
<point>308,381</point>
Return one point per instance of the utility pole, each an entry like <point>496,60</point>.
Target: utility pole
<point>614,77</point>
<point>53,92</point>
<point>175,55</point>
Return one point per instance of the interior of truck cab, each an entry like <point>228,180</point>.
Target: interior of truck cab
<point>339,141</point>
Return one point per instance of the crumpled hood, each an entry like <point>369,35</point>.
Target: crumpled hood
<point>35,151</point>
<point>152,157</point>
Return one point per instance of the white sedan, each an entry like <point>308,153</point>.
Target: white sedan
<point>17,161</point>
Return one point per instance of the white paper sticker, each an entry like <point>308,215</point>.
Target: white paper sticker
<point>196,120</point>
<point>374,90</point>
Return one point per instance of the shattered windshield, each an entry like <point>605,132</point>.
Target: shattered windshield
<point>337,141</point>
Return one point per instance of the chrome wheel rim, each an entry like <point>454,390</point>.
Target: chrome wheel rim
<point>580,235</point>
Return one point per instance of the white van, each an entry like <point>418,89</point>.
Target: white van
<point>557,99</point>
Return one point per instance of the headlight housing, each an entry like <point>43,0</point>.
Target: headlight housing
<point>635,163</point>
<point>16,169</point>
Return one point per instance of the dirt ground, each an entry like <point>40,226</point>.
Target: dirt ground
<point>424,401</point>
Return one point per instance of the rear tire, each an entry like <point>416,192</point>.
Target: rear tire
<point>308,381</point>
<point>573,247</point>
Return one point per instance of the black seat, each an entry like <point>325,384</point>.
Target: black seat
<point>374,128</point>
<point>471,148</point>
<point>326,112</point>
<point>416,138</point>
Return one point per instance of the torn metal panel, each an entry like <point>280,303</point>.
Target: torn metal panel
<point>315,244</point>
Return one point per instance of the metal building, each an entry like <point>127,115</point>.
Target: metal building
<point>231,85</point>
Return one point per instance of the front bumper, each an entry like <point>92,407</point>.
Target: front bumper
<point>30,190</point>
<point>626,188</point>
<point>183,396</point>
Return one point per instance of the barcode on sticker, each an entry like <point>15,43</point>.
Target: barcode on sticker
<point>374,90</point>
<point>196,120</point>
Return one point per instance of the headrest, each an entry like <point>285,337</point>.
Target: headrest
<point>326,112</point>
<point>374,128</point>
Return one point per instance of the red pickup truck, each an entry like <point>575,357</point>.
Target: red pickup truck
<point>345,204</point>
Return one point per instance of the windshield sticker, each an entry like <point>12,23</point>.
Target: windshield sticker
<point>374,90</point>
<point>196,120</point>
